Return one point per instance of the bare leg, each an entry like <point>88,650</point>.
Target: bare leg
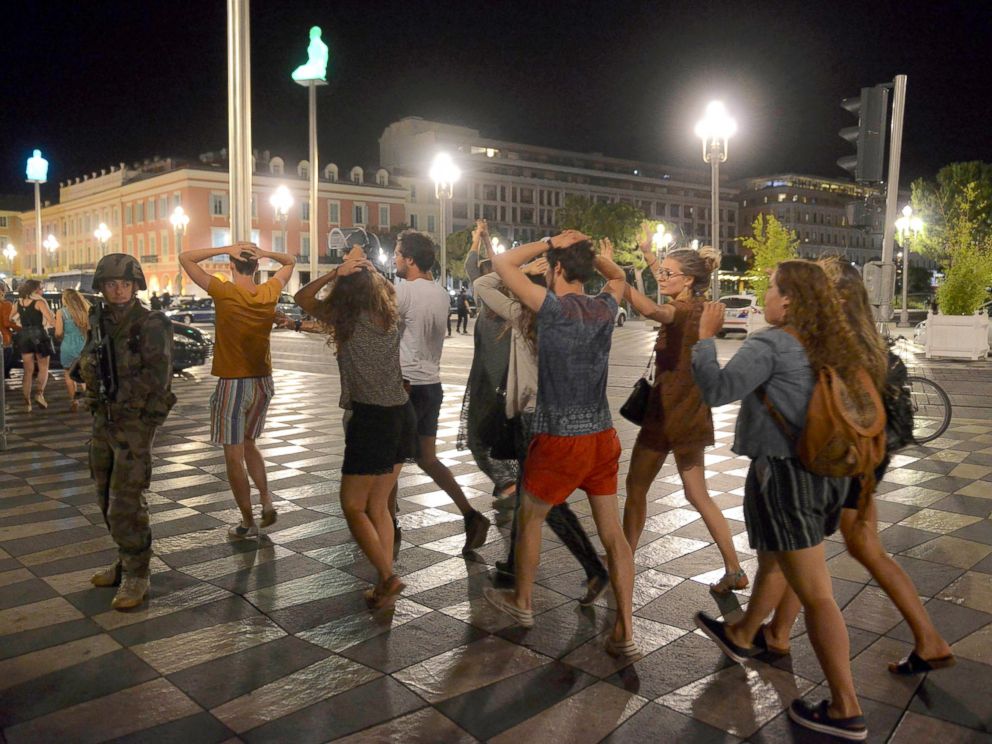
<point>691,470</point>
<point>645,464</point>
<point>806,572</point>
<point>70,388</point>
<point>26,382</point>
<point>357,492</point>
<point>620,559</point>
<point>256,469</point>
<point>769,587</point>
<point>530,517</point>
<point>865,547</point>
<point>42,374</point>
<point>439,472</point>
<point>779,628</point>
<point>237,477</point>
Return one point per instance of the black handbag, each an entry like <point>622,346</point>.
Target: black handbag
<point>635,408</point>
<point>497,430</point>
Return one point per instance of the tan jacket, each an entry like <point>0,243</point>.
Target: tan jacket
<point>7,328</point>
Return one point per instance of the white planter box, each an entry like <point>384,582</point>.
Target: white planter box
<point>957,336</point>
<point>756,321</point>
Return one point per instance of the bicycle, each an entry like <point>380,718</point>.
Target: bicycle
<point>931,403</point>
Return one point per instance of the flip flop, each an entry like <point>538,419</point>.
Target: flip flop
<point>621,649</point>
<point>761,641</point>
<point>916,664</point>
<point>387,594</point>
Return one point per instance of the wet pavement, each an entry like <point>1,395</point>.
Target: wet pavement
<point>269,640</point>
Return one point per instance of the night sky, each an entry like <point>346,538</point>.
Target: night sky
<point>99,82</point>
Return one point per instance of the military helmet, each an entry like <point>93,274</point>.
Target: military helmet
<point>118,266</point>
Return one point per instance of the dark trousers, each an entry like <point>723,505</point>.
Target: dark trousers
<point>561,519</point>
<point>8,359</point>
<point>462,321</point>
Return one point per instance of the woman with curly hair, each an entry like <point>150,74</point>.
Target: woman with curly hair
<point>787,509</point>
<point>677,420</point>
<point>930,650</point>
<point>359,314</point>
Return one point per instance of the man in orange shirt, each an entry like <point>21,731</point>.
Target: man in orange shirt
<point>245,312</point>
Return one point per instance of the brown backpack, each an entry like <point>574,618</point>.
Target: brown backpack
<point>844,433</point>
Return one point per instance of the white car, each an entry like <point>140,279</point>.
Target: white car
<point>621,316</point>
<point>739,307</point>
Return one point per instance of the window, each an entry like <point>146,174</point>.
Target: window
<point>527,215</point>
<point>383,215</point>
<point>117,216</point>
<point>413,192</point>
<point>673,211</point>
<point>151,245</point>
<point>3,222</point>
<point>526,196</point>
<point>334,212</point>
<point>176,201</point>
<point>305,247</point>
<point>278,244</point>
<point>164,242</point>
<point>305,211</point>
<point>431,224</point>
<point>413,221</point>
<point>218,207</point>
<point>151,210</point>
<point>359,214</point>
<point>139,213</point>
<point>130,245</point>
<point>141,246</point>
<point>163,207</point>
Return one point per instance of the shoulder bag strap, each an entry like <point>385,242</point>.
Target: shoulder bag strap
<point>777,417</point>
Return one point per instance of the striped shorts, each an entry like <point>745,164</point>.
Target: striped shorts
<point>238,407</point>
<point>786,507</point>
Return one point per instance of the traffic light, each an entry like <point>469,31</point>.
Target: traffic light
<point>871,108</point>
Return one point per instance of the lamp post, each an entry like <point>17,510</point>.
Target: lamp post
<point>282,201</point>
<point>445,174</point>
<point>907,227</point>
<point>51,245</point>
<point>102,234</point>
<point>37,173</point>
<point>179,220</point>
<point>715,130</point>
<point>660,241</point>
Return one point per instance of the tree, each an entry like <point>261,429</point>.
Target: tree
<point>962,190</point>
<point>618,221</point>
<point>967,250</point>
<point>770,244</point>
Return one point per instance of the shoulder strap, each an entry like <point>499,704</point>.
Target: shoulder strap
<point>777,417</point>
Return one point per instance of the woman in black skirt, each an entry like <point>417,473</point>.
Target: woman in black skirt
<point>35,345</point>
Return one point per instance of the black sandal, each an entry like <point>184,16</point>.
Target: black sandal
<point>916,664</point>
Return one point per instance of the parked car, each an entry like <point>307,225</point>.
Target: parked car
<point>191,347</point>
<point>288,307</point>
<point>739,307</point>
<point>193,311</point>
<point>621,316</point>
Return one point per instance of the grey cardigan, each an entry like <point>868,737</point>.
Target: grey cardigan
<point>772,358</point>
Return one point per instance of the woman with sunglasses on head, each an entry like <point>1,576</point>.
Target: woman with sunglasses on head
<point>677,420</point>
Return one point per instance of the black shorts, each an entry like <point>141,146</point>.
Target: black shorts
<point>854,494</point>
<point>378,438</point>
<point>786,507</point>
<point>426,401</point>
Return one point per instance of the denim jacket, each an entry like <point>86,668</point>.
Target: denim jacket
<point>772,358</point>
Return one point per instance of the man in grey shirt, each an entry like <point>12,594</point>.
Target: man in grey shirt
<point>423,312</point>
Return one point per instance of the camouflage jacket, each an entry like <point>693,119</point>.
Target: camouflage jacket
<point>142,344</point>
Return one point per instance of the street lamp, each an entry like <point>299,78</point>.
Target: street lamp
<point>660,241</point>
<point>908,227</point>
<point>715,130</point>
<point>282,201</point>
<point>10,253</point>
<point>103,234</point>
<point>51,245</point>
<point>179,220</point>
<point>37,173</point>
<point>445,174</point>
<point>497,246</point>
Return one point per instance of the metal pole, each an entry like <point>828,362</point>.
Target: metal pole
<point>314,173</point>
<point>179,252</point>
<point>715,216</point>
<point>892,196</point>
<point>239,118</point>
<point>444,240</point>
<point>3,399</point>
<point>904,313</point>
<point>39,262</point>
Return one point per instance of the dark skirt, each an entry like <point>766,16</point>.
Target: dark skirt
<point>379,437</point>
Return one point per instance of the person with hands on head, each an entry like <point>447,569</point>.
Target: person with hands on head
<point>677,420</point>
<point>34,317</point>
<point>575,445</point>
<point>360,316</point>
<point>242,362</point>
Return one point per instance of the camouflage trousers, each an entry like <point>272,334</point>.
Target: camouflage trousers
<point>121,467</point>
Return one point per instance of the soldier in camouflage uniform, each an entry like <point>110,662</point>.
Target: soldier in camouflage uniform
<point>126,413</point>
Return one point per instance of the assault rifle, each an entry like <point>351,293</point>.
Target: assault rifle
<point>106,360</point>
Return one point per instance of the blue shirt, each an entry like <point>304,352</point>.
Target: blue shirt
<point>773,358</point>
<point>574,335</point>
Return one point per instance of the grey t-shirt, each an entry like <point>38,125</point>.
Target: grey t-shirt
<point>574,334</point>
<point>423,310</point>
<point>369,363</point>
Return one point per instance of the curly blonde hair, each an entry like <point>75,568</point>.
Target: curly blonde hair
<point>77,306</point>
<point>699,265</point>
<point>814,311</point>
<point>351,296</point>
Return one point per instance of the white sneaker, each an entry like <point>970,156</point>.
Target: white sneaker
<point>240,532</point>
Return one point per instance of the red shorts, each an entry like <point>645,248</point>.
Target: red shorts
<point>556,466</point>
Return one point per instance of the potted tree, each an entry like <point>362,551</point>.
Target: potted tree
<point>770,244</point>
<point>959,329</point>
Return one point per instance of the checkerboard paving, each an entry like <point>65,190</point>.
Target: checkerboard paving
<point>269,640</point>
